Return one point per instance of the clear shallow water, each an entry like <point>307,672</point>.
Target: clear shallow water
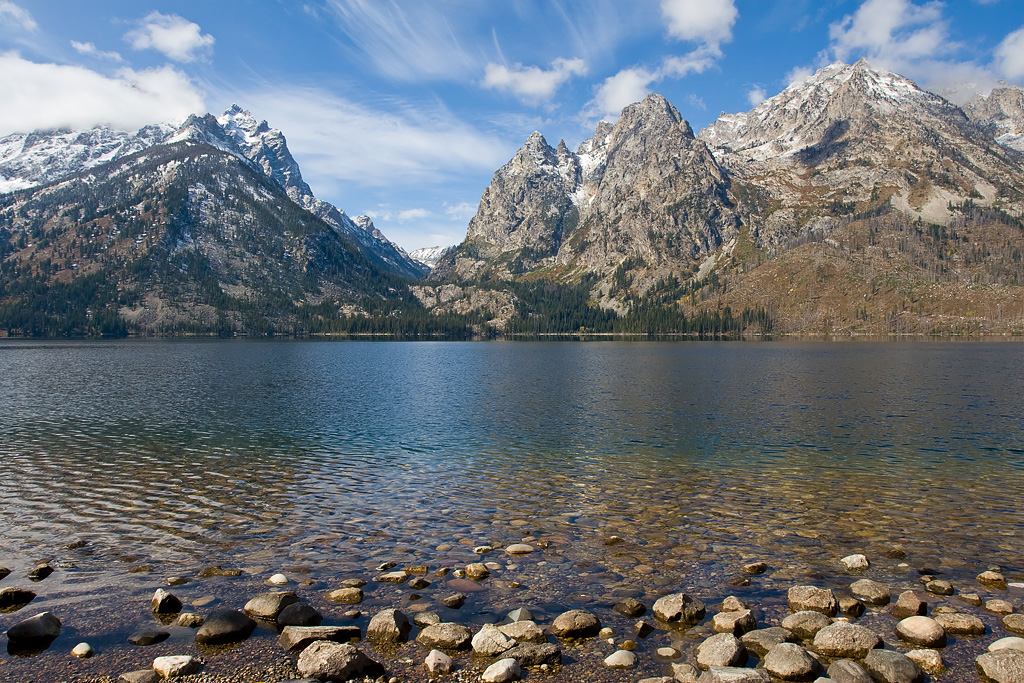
<point>329,458</point>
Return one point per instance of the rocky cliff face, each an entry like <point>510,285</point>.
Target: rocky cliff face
<point>1001,112</point>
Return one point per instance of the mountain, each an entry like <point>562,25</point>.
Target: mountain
<point>1002,113</point>
<point>429,256</point>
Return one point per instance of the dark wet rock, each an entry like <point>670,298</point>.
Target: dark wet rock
<point>489,641</point>
<point>418,583</point>
<point>536,654</point>
<point>992,579</point>
<point>790,662</point>
<point>12,597</point>
<point>147,638</point>
<point>1001,666</point>
<point>806,624</point>
<point>299,637</point>
<point>731,674</point>
<point>909,605</point>
<point>722,649</point>
<point>630,607</point>
<point>919,630</point>
<point>679,608</point>
<point>454,601</point>
<point>445,636</point>
<point>43,626</point>
<point>346,596</point>
<point>173,666</point>
<point>958,624</point>
<point>755,568</point>
<point>847,671</point>
<point>524,632</point>
<point>886,666</point>
<point>845,640</point>
<point>1014,623</point>
<point>850,606</point>
<point>299,614</point>
<point>871,592</point>
<point>813,599</point>
<point>939,587</point>
<point>165,603</point>
<point>141,676</point>
<point>225,626</point>
<point>40,572</point>
<point>762,640</point>
<point>389,626</point>
<point>736,623</point>
<point>217,570</point>
<point>4,573</point>
<point>576,623</point>
<point>267,606</point>
<point>643,628</point>
<point>328,662</point>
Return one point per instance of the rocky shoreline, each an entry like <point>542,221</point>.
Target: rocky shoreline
<point>920,628</point>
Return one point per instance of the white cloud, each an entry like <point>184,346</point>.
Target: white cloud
<point>91,50</point>
<point>756,96</point>
<point>46,96</point>
<point>531,83</point>
<point>701,21</point>
<point>1010,56</point>
<point>797,75</point>
<point>14,16</point>
<point>697,61</point>
<point>412,215</point>
<point>624,88</point>
<point>892,33</point>
<point>461,211</point>
<point>176,37</point>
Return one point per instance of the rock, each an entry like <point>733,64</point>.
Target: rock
<point>790,662</point>
<point>477,571</point>
<point>438,662</point>
<point>329,661</point>
<point>630,607</point>
<point>295,638</point>
<point>536,654</point>
<point>43,626</point>
<point>850,606</point>
<point>729,674</point>
<point>909,605</point>
<point>855,562</point>
<point>418,583</point>
<point>736,623</point>
<point>278,580</point>
<point>454,601</point>
<point>679,608</point>
<point>971,599</point>
<point>352,583</point>
<point>141,676</point>
<point>687,673</point>
<point>658,679</point>
<point>299,614</point>
<point>939,587</point>
<point>805,625</point>
<point>519,549</point>
<point>12,597</point>
<point>189,620</point>
<point>445,636</point>
<point>524,632</point>
<point>225,626</point>
<point>176,580</point>
<point>165,603</point>
<point>722,649</point>
<point>502,671</point>
<point>398,577</point>
<point>846,671</point>
<point>813,599</point>
<point>345,596</point>
<point>4,573</point>
<point>576,623</point>
<point>82,651</point>
<point>961,624</point>
<point>176,665</point>
<point>992,579</point>
<point>755,568</point>
<point>606,632</point>
<point>518,614</point>
<point>389,626</point>
<point>999,606</point>
<point>1011,643</point>
<point>620,659</point>
<point>217,570</point>
<point>871,592</point>
<point>489,641</point>
<point>267,606</point>
<point>846,641</point>
<point>147,638</point>
<point>732,604</point>
<point>1014,623</point>
<point>668,653</point>
<point>762,640</point>
<point>40,572</point>
<point>886,666</point>
<point>922,631</point>
<point>929,661</point>
<point>643,628</point>
<point>1003,666</point>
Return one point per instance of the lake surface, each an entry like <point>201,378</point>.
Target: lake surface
<point>326,459</point>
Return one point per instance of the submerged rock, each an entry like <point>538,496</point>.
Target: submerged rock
<point>225,626</point>
<point>576,623</point>
<point>43,626</point>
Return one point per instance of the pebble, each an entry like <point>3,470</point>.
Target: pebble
<point>922,631</point>
<point>502,671</point>
<point>855,562</point>
<point>176,665</point>
<point>278,580</point>
<point>668,653</point>
<point>620,659</point>
<point>438,662</point>
<point>82,651</point>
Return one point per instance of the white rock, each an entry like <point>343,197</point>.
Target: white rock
<point>490,642</point>
<point>278,580</point>
<point>856,562</point>
<point>176,665</point>
<point>620,659</point>
<point>519,549</point>
<point>502,670</point>
<point>1011,643</point>
<point>438,662</point>
<point>82,651</point>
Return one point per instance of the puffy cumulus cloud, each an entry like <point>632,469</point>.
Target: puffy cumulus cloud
<point>47,96</point>
<point>700,21</point>
<point>176,37</point>
<point>624,88</point>
<point>531,83</point>
<point>412,215</point>
<point>90,50</point>
<point>1010,56</point>
<point>16,17</point>
<point>892,33</point>
<point>756,95</point>
<point>798,75</point>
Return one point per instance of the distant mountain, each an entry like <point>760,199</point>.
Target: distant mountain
<point>429,256</point>
<point>1002,112</point>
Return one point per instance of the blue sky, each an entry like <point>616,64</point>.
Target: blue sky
<point>403,109</point>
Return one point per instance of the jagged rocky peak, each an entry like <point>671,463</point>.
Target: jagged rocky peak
<point>1002,112</point>
<point>653,113</point>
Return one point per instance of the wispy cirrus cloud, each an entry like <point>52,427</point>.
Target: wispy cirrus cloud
<point>175,37</point>
<point>16,17</point>
<point>90,50</point>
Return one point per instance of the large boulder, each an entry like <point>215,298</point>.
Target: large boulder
<point>679,608</point>
<point>389,626</point>
<point>723,649</point>
<point>445,636</point>
<point>922,631</point>
<point>330,662</point>
<point>790,662</point>
<point>1001,666</point>
<point>812,598</point>
<point>576,623</point>
<point>225,626</point>
<point>846,641</point>
<point>886,666</point>
<point>267,606</point>
<point>42,627</point>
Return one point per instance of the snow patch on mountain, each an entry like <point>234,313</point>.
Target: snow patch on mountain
<point>429,256</point>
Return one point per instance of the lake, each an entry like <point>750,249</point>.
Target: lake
<point>643,467</point>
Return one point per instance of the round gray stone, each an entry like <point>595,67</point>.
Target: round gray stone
<point>887,666</point>
<point>845,640</point>
<point>922,631</point>
<point>722,649</point>
<point>790,662</point>
<point>576,623</point>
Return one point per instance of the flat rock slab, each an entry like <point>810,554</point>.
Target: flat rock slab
<point>327,661</point>
<point>176,665</point>
<point>536,654</point>
<point>812,598</point>
<point>1002,666</point>
<point>225,626</point>
<point>147,638</point>
<point>296,638</point>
